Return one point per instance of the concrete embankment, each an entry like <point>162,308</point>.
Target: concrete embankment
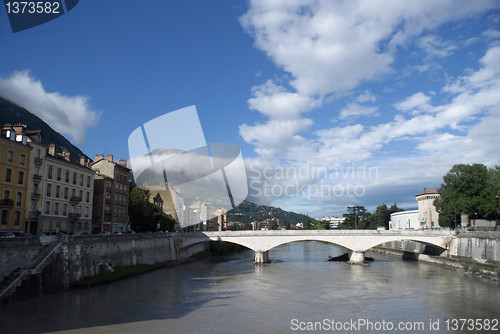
<point>480,250</point>
<point>35,266</point>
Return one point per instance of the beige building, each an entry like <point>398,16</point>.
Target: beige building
<point>111,195</point>
<point>35,177</point>
<point>14,170</point>
<point>427,213</point>
<point>67,193</point>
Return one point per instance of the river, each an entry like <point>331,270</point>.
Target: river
<point>299,290</point>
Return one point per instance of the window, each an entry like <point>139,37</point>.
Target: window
<point>10,156</point>
<point>65,192</point>
<point>49,172</point>
<point>109,185</point>
<point>108,195</point>
<point>8,175</point>
<point>107,208</point>
<point>22,160</point>
<point>38,153</point>
<point>5,217</point>
<point>17,217</point>
<point>65,209</point>
<point>6,194</point>
<point>74,177</point>
<point>59,174</point>
<point>81,195</point>
<point>88,181</point>
<point>20,179</point>
<point>88,197</point>
<point>81,180</point>
<point>86,212</point>
<point>73,193</point>
<point>19,199</point>
<point>49,189</point>
<point>47,208</point>
<point>67,177</point>
<point>56,208</point>
<point>58,191</point>
<point>37,170</point>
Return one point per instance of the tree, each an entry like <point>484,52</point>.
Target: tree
<point>468,189</point>
<point>356,217</point>
<point>273,225</point>
<point>306,223</point>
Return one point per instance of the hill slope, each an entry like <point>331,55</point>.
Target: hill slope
<point>12,113</point>
<point>248,212</point>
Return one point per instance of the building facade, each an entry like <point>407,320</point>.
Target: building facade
<point>426,217</point>
<point>67,194</point>
<point>14,170</point>
<point>405,220</point>
<point>111,195</point>
<point>427,213</point>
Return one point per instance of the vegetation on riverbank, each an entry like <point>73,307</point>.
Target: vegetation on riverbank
<point>118,273</point>
<point>219,248</point>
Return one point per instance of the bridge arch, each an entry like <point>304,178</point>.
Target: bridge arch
<point>358,241</point>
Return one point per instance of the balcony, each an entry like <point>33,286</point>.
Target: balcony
<point>35,195</point>
<point>34,214</point>
<point>7,202</point>
<point>74,215</point>
<point>37,177</point>
<point>38,161</point>
<point>75,199</point>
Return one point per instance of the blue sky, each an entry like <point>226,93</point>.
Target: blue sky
<point>333,103</point>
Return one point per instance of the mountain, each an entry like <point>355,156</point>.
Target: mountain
<point>248,212</point>
<point>13,114</point>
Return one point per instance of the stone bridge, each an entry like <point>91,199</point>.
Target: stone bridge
<point>358,241</point>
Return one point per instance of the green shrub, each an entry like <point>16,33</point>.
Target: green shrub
<point>474,268</point>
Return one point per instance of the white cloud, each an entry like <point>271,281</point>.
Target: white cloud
<point>70,115</point>
<point>275,137</point>
<point>367,96</point>
<point>435,47</point>
<point>331,48</point>
<point>276,103</point>
<point>417,102</point>
<point>355,110</point>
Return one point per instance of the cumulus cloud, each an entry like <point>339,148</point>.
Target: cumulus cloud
<point>415,103</point>
<point>70,115</point>
<point>328,49</point>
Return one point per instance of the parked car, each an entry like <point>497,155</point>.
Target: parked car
<point>9,235</point>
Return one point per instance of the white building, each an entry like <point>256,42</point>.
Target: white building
<point>334,221</point>
<point>426,217</point>
<point>404,220</point>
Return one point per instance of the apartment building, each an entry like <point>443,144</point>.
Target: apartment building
<point>14,170</point>
<point>110,194</point>
<point>67,195</point>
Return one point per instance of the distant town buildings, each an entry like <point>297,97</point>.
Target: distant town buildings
<point>334,221</point>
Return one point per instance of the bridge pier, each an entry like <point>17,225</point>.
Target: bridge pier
<point>357,257</point>
<point>261,257</point>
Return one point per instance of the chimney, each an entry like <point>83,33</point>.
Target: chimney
<point>98,157</point>
<point>52,150</point>
<point>82,160</point>
<point>109,157</point>
<point>123,162</point>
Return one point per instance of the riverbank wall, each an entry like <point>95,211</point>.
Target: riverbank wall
<point>465,249</point>
<point>36,266</point>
